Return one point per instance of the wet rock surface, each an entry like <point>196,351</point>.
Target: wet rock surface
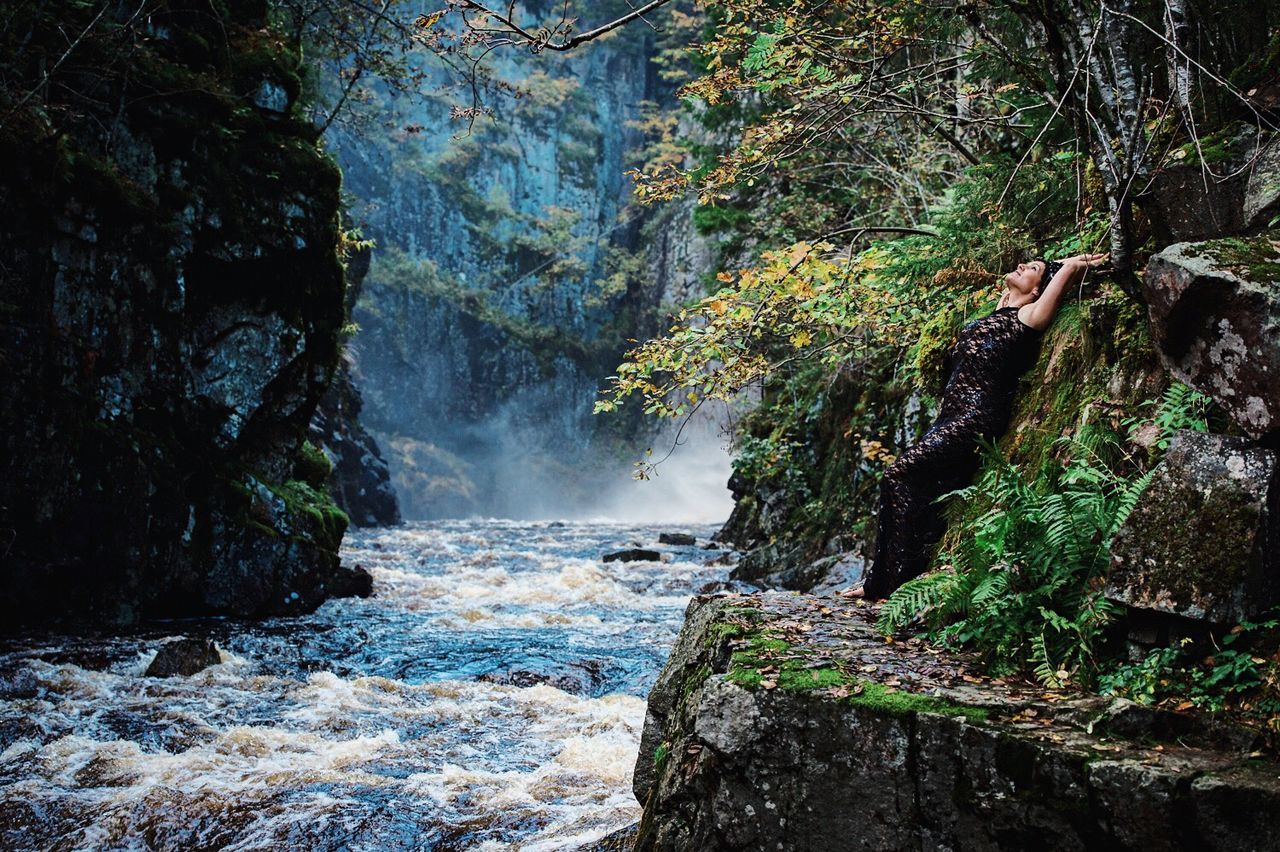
<point>1214,308</point>
<point>170,308</point>
<point>634,554</point>
<point>1201,541</point>
<point>184,657</point>
<point>359,481</point>
<point>786,722</point>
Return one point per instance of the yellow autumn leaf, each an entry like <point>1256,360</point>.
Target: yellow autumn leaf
<point>801,338</point>
<point>426,22</point>
<point>802,289</point>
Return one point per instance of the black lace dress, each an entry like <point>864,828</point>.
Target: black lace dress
<point>990,356</point>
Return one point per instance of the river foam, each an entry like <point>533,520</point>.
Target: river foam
<point>489,696</point>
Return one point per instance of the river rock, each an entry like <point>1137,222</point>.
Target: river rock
<point>1215,310</point>
<point>184,657</point>
<point>679,539</point>
<point>351,582</point>
<point>780,565</point>
<point>909,748</point>
<point>1200,542</point>
<point>633,554</point>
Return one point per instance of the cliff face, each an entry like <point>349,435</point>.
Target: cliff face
<point>786,722</point>
<point>509,271</point>
<point>359,481</point>
<point>172,298</point>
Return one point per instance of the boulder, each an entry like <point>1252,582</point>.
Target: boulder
<point>786,722</point>
<point>1200,543</point>
<point>1262,192</point>
<point>679,539</point>
<point>184,657</point>
<point>839,572</point>
<point>1214,309</point>
<point>633,554</point>
<point>351,582</point>
<point>1201,192</point>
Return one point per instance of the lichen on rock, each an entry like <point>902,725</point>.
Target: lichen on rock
<point>1214,309</point>
<point>1200,541</point>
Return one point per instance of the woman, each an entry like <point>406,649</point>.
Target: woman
<point>989,357</point>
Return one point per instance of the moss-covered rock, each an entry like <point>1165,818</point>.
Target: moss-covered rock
<point>786,721</point>
<point>1214,309</point>
<point>1200,542</point>
<point>1200,190</point>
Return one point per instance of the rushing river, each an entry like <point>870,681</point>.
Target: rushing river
<point>490,695</point>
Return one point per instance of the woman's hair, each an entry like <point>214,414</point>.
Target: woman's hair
<point>1051,268</point>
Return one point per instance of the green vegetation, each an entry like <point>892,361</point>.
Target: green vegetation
<point>770,662</point>
<point>1239,671</point>
<point>812,139</point>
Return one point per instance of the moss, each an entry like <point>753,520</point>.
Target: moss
<point>313,466</point>
<point>326,522</point>
<point>796,673</point>
<point>1252,258</point>
<point>660,755</point>
<point>1219,146</point>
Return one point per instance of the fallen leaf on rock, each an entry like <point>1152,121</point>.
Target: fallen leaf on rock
<point>868,668</point>
<point>768,684</point>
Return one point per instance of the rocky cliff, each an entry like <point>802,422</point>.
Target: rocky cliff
<point>509,272</point>
<point>171,293</point>
<point>786,722</point>
<point>359,481</point>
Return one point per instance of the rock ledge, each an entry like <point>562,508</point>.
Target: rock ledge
<point>785,722</point>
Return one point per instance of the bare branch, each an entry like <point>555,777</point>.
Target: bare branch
<point>542,40</point>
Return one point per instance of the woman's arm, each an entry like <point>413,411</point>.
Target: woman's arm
<point>1039,314</point>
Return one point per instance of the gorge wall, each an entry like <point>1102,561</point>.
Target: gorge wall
<point>171,294</point>
<point>510,270</point>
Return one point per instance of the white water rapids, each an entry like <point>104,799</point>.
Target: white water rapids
<point>490,695</point>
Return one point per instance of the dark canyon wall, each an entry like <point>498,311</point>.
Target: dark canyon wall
<point>171,295</point>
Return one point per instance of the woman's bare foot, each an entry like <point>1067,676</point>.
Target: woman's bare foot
<point>853,592</point>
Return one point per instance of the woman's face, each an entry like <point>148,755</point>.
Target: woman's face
<point>1026,278</point>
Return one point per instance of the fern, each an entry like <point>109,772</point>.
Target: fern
<point>1023,588</point>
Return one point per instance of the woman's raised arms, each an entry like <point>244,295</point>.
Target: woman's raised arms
<point>1039,314</point>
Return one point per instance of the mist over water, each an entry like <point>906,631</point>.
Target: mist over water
<point>490,695</point>
<point>510,468</point>
<point>691,484</point>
